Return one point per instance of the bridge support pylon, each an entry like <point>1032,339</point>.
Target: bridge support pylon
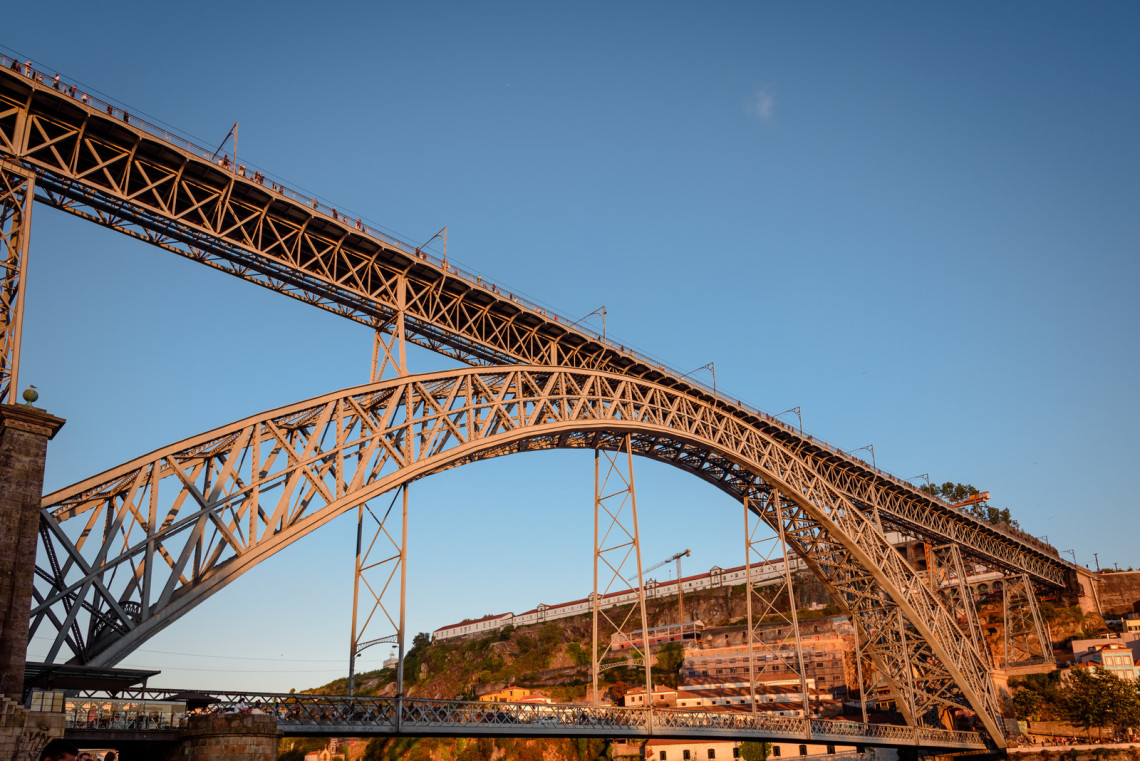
<point>767,600</point>
<point>24,434</point>
<point>388,354</point>
<point>16,194</point>
<point>617,541</point>
<point>229,737</point>
<point>1025,639</point>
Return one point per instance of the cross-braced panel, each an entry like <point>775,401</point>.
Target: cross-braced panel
<point>946,574</point>
<point>381,570</point>
<point>135,548</point>
<point>617,553</point>
<point>1025,639</point>
<point>773,652</point>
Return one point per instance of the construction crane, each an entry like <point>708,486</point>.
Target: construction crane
<point>982,496</point>
<point>680,595</point>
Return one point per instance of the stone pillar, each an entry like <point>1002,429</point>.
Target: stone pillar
<point>229,737</point>
<point>24,434</point>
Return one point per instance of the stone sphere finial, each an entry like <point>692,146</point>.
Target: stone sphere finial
<point>31,395</point>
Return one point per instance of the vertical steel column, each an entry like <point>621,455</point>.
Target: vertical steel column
<point>795,615</point>
<point>594,607</point>
<point>354,641</point>
<point>385,355</point>
<point>395,560</point>
<point>748,602</point>
<point>859,674</point>
<point>391,353</point>
<point>17,187</point>
<point>947,573</point>
<point>769,550</point>
<point>625,543</point>
<point>645,653</point>
<point>912,702</point>
<point>1025,640</point>
<point>403,596</point>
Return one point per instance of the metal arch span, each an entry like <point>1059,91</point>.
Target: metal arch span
<point>129,551</point>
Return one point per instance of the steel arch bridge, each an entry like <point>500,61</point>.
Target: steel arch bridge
<point>159,534</point>
<point>155,536</point>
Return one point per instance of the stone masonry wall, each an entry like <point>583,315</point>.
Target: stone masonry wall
<point>228,737</point>
<point>24,433</point>
<point>1119,592</point>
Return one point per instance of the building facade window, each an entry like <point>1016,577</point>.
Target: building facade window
<point>712,753</point>
<point>685,754</point>
<point>803,750</point>
<point>661,755</point>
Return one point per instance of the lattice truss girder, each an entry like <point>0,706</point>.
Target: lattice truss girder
<point>903,509</point>
<point>133,549</point>
<point>913,675</point>
<point>95,166</point>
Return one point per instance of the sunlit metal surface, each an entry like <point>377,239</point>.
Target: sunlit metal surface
<point>127,552</point>
<point>96,161</point>
<point>315,715</point>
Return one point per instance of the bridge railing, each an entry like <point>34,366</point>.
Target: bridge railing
<point>145,709</point>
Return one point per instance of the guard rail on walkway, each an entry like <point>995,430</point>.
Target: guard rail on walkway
<point>330,715</point>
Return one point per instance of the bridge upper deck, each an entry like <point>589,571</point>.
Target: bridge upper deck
<point>95,160</point>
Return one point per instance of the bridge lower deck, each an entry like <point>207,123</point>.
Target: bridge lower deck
<point>336,716</point>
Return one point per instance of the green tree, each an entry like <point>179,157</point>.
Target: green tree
<point>1086,700</point>
<point>755,751</point>
<point>954,492</point>
<point>578,654</point>
<point>420,642</point>
<point>950,491</point>
<point>670,657</point>
<point>1027,704</point>
<point>1124,705</point>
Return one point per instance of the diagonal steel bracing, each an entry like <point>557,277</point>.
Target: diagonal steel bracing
<point>384,576</point>
<point>946,574</point>
<point>773,653</point>
<point>140,545</point>
<point>93,160</point>
<point>617,551</point>
<point>1025,640</point>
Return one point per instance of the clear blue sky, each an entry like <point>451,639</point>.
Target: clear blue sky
<point>918,222</point>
